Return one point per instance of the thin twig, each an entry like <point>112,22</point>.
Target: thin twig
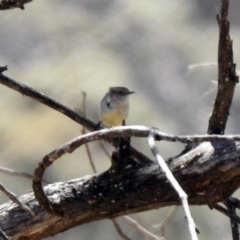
<point>205,94</point>
<point>90,155</point>
<point>221,209</point>
<point>3,236</point>
<point>168,219</point>
<point>165,221</point>
<point>84,131</point>
<point>224,211</point>
<point>141,131</point>
<point>119,230</point>
<point>20,174</point>
<point>14,198</point>
<point>193,66</point>
<point>141,229</point>
<point>174,183</point>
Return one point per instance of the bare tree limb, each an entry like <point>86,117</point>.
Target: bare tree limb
<point>3,236</point>
<point>227,78</point>
<point>84,131</point>
<point>231,206</point>
<point>20,174</point>
<point>141,229</point>
<point>183,196</point>
<point>224,211</point>
<point>221,209</point>
<point>166,220</point>
<point>102,134</point>
<point>10,4</point>
<point>14,198</point>
<point>119,230</point>
<point>144,187</point>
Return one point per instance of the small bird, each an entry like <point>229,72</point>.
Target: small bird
<point>114,107</point>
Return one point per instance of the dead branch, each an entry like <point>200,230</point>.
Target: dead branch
<point>215,172</point>
<point>160,227</point>
<point>119,230</point>
<point>102,134</point>
<point>14,198</point>
<point>141,229</point>
<point>232,204</point>
<point>182,195</point>
<point>12,172</point>
<point>10,4</point>
<point>227,77</point>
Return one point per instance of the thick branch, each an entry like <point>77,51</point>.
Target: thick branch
<point>227,78</point>
<point>230,203</point>
<point>214,168</point>
<point>123,131</point>
<point>10,4</point>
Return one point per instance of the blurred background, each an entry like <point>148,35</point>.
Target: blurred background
<point>165,51</point>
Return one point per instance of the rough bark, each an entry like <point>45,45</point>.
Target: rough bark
<point>227,78</point>
<point>209,173</point>
<point>10,4</point>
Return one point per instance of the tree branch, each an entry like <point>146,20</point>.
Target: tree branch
<point>122,131</point>
<point>12,172</point>
<point>227,78</point>
<point>231,206</point>
<point>215,172</point>
<point>141,229</point>
<point>182,195</point>
<point>10,4</point>
<point>14,198</point>
<point>119,230</point>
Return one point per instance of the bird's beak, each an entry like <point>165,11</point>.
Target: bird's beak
<point>130,92</point>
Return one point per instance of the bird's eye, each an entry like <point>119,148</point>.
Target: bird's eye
<point>120,92</point>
